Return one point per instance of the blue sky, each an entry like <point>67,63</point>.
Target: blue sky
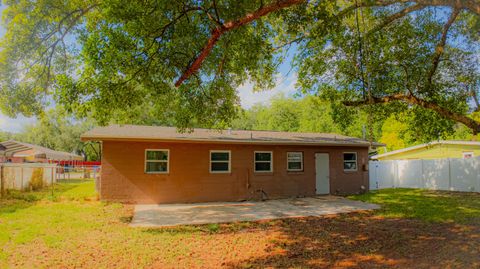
<point>285,84</point>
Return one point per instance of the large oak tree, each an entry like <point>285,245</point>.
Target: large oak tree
<point>113,59</point>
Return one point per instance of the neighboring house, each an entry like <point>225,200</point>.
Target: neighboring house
<point>20,152</point>
<point>434,150</point>
<point>146,164</point>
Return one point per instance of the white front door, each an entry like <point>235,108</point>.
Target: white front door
<point>322,173</point>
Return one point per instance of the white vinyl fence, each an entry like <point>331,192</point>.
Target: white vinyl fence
<point>18,175</point>
<point>439,174</point>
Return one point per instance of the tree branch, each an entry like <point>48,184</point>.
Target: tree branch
<point>184,12</point>
<point>289,43</point>
<point>472,5</point>
<point>474,95</point>
<point>395,17</point>
<point>441,46</point>
<point>60,40</point>
<point>410,99</point>
<point>361,4</point>
<point>228,26</point>
<point>216,10</point>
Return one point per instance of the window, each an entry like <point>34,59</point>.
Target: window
<point>219,161</point>
<point>468,155</point>
<point>263,161</point>
<point>294,161</point>
<point>156,161</point>
<point>349,161</point>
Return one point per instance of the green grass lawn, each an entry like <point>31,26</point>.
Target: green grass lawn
<point>432,206</point>
<point>71,228</point>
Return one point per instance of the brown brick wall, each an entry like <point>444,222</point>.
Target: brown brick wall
<point>189,180</point>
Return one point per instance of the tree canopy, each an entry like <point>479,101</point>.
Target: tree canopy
<point>57,130</point>
<point>183,60</point>
<point>314,114</point>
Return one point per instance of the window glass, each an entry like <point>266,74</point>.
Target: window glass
<point>156,161</point>
<point>156,167</point>
<point>294,161</point>
<point>219,156</point>
<point>217,167</point>
<point>219,161</point>
<point>263,162</point>
<point>157,155</point>
<point>263,156</point>
<point>350,156</point>
<point>350,161</point>
<point>262,167</point>
<point>294,166</point>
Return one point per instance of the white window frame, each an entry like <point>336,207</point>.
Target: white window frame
<point>301,162</point>
<point>157,161</point>
<point>255,162</point>
<point>216,161</point>
<point>469,153</point>
<point>356,162</point>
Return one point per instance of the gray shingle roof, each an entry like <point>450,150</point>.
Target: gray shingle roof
<point>161,133</point>
<point>12,147</point>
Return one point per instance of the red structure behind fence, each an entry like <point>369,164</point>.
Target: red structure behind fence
<point>77,163</point>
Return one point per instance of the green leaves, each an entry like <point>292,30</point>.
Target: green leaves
<point>35,49</point>
<point>108,59</point>
<point>397,58</point>
<point>117,61</point>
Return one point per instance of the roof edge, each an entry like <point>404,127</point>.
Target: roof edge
<point>221,141</point>
<point>432,143</point>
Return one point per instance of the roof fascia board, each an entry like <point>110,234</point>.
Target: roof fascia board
<point>218,141</point>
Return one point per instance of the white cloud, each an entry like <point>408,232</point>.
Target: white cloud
<point>14,125</point>
<point>285,85</point>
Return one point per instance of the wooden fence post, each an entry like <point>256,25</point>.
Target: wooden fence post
<point>2,182</point>
<point>51,181</point>
<point>21,178</point>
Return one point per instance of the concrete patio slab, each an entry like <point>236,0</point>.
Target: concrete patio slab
<point>153,215</point>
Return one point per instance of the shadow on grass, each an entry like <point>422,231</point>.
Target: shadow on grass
<point>368,241</point>
<point>126,219</point>
<point>213,228</point>
<point>414,229</point>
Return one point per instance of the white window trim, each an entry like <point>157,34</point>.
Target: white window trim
<point>356,162</point>
<point>301,162</point>
<point>229,161</point>
<point>469,153</point>
<point>157,161</point>
<point>255,161</point>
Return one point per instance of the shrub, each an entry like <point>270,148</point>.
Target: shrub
<point>36,181</point>
<point>213,228</point>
